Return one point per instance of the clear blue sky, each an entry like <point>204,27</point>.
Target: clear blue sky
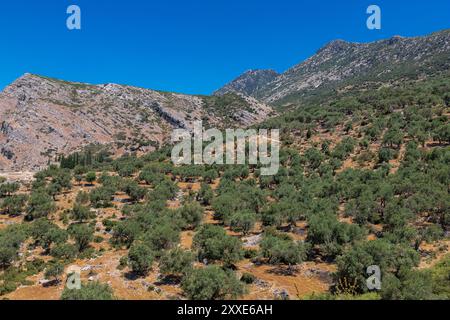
<point>190,46</point>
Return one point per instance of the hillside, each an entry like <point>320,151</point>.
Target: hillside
<point>249,83</point>
<point>342,65</point>
<point>363,181</point>
<point>42,118</point>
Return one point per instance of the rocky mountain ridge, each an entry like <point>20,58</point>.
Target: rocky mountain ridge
<point>339,64</point>
<point>42,118</point>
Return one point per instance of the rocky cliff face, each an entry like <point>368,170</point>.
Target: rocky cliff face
<point>340,64</point>
<point>41,118</point>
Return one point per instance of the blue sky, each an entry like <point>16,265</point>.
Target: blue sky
<point>190,46</point>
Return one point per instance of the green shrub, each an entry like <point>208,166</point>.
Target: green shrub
<point>90,291</point>
<point>212,283</point>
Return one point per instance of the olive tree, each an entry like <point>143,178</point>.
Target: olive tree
<point>213,243</point>
<point>140,258</point>
<point>176,262</point>
<point>90,291</point>
<point>212,283</point>
<point>54,271</point>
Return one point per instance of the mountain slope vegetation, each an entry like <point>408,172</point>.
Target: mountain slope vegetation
<point>364,180</point>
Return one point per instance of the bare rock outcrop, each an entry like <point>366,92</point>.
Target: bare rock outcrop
<point>42,118</point>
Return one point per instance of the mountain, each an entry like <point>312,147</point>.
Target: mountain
<point>341,65</point>
<point>42,118</point>
<point>249,83</point>
<point>361,178</point>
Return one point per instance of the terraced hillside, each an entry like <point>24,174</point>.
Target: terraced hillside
<point>364,180</point>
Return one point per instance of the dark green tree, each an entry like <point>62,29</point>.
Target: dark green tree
<point>176,262</point>
<point>82,234</point>
<point>90,291</point>
<point>212,283</point>
<point>140,258</point>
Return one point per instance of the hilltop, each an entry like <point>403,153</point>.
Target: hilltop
<point>342,65</point>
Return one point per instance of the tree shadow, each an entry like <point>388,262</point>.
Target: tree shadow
<point>132,276</point>
<point>284,270</point>
<point>436,144</point>
<point>51,283</point>
<point>168,280</point>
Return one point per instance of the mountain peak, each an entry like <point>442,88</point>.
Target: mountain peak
<point>336,46</point>
<point>23,78</point>
<point>337,43</point>
<point>340,62</point>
